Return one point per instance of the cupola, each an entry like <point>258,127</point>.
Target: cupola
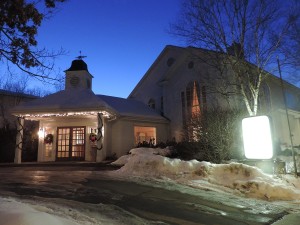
<point>78,76</point>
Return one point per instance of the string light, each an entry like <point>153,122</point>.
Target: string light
<point>67,114</point>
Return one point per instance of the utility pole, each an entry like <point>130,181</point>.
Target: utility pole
<point>287,116</point>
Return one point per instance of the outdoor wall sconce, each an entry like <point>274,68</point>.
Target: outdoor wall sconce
<point>41,132</point>
<point>257,137</point>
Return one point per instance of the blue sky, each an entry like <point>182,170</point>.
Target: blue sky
<point>121,38</point>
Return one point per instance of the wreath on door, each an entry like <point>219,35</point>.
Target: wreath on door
<point>48,139</point>
<point>93,137</point>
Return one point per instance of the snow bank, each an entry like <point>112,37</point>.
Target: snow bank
<point>248,180</point>
<point>252,182</point>
<point>150,161</point>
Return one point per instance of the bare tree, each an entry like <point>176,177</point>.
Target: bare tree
<point>19,23</point>
<point>244,37</point>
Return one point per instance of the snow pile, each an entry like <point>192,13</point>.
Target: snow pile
<point>150,161</point>
<point>248,180</point>
<point>252,182</point>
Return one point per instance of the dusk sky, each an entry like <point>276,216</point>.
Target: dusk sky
<point>121,38</point>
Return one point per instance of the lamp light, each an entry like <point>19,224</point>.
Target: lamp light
<point>41,132</point>
<point>257,137</point>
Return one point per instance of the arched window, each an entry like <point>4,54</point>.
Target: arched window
<point>151,103</point>
<point>193,99</point>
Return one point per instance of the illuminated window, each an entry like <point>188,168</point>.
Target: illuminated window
<point>193,99</point>
<point>145,135</point>
<point>191,110</point>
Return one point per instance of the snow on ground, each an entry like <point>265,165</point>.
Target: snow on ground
<point>13,212</point>
<point>247,180</point>
<point>39,211</point>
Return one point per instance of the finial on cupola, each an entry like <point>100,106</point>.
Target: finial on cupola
<point>78,76</point>
<point>80,57</point>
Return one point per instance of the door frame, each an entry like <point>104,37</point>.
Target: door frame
<point>70,144</point>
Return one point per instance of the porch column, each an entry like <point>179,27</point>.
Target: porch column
<point>100,154</point>
<point>19,140</point>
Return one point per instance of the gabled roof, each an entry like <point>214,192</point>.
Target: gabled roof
<point>194,52</point>
<point>154,65</point>
<point>131,108</point>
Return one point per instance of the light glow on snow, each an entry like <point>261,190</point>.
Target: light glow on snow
<point>257,137</point>
<point>232,177</point>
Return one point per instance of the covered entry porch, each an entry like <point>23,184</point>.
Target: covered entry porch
<point>73,136</point>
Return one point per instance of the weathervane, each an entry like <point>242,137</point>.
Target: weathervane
<point>80,57</point>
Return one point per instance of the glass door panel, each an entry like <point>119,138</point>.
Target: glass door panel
<point>70,143</point>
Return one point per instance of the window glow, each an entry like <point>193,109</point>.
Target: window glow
<point>145,135</point>
<point>257,137</point>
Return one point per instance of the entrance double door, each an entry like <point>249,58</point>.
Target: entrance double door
<point>70,143</point>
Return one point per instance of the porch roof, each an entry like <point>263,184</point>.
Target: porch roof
<point>72,100</point>
<point>131,108</point>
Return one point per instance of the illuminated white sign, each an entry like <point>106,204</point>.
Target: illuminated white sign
<point>257,137</point>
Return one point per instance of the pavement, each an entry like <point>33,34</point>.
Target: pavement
<point>289,219</point>
<point>80,165</point>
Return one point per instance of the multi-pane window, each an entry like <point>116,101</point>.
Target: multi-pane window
<point>191,108</point>
<point>193,99</point>
<point>48,150</point>
<point>78,135</point>
<point>145,135</point>
<point>63,142</point>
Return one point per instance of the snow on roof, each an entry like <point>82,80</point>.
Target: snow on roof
<point>74,100</point>
<point>19,94</point>
<point>130,107</point>
<point>64,101</point>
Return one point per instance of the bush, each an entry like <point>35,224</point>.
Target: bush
<point>7,144</point>
<point>213,136</point>
<point>200,151</point>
